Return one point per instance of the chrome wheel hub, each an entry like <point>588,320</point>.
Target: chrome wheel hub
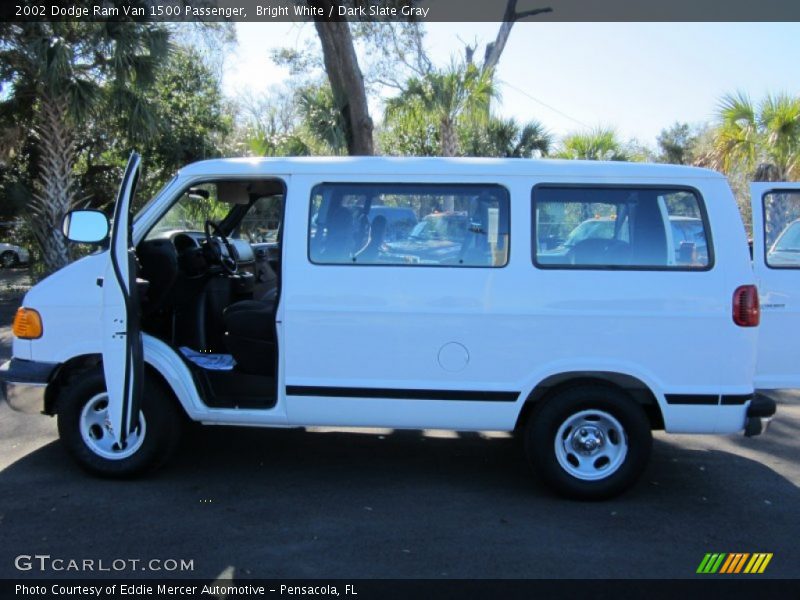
<point>591,445</point>
<point>587,440</point>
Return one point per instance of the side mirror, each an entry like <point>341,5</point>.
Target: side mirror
<point>85,226</point>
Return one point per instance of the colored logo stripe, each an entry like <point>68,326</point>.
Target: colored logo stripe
<point>758,563</point>
<point>734,563</point>
<point>722,562</point>
<point>711,563</point>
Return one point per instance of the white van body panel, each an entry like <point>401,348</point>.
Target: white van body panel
<point>498,331</point>
<point>502,316</point>
<point>778,364</point>
<point>70,302</point>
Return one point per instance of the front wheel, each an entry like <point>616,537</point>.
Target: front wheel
<point>588,442</point>
<point>83,427</point>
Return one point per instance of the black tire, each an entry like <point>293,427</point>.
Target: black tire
<point>9,259</point>
<point>162,432</point>
<point>594,402</point>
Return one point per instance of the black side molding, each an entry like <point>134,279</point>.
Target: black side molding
<point>693,399</point>
<point>401,394</point>
<point>708,399</point>
<point>730,399</point>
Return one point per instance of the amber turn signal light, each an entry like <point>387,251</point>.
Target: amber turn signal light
<point>27,324</point>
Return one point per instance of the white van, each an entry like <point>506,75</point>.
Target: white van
<point>274,293</point>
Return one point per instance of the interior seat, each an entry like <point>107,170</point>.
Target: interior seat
<point>600,251</point>
<point>377,233</point>
<point>250,335</point>
<point>338,246</point>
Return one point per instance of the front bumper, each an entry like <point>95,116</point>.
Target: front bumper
<point>23,383</point>
<point>759,415</point>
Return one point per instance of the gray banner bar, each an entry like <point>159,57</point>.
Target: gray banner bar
<point>400,10</point>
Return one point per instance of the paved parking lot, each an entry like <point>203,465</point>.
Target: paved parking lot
<point>340,504</point>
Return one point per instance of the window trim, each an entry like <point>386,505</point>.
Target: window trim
<point>406,183</point>
<point>764,226</point>
<point>701,204</point>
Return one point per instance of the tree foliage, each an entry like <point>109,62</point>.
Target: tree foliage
<point>58,76</point>
<point>677,144</point>
<point>601,143</point>
<point>762,139</point>
<point>300,121</point>
<point>446,99</point>
<point>192,116</point>
<point>505,138</point>
<point>79,97</point>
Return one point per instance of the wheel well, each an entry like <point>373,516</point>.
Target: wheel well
<point>633,387</point>
<point>74,366</point>
<point>64,375</point>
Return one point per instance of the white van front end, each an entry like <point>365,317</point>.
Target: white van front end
<point>68,304</point>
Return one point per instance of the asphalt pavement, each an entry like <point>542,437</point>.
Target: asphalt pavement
<point>326,503</point>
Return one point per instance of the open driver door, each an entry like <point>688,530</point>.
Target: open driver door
<point>123,360</point>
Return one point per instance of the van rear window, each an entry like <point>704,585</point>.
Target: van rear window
<point>409,224</point>
<point>782,229</point>
<point>619,228</point>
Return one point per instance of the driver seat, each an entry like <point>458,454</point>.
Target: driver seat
<point>250,335</point>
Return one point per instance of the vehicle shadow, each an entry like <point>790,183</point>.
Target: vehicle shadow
<point>292,503</point>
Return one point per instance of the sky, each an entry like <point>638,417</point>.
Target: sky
<point>638,78</point>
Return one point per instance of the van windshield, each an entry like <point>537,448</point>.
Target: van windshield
<point>156,196</point>
<point>197,205</point>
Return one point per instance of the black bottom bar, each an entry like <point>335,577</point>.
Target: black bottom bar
<point>700,586</point>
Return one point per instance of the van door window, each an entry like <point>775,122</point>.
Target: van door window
<point>782,229</point>
<point>409,224</point>
<point>618,228</point>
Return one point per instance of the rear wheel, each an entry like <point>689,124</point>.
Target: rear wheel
<point>85,430</point>
<point>588,442</point>
<point>9,259</point>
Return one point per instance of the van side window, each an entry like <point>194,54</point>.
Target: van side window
<point>409,224</point>
<point>619,228</point>
<point>782,229</point>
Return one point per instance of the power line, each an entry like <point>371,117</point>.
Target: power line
<point>555,110</point>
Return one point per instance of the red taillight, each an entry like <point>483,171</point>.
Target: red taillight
<point>746,310</point>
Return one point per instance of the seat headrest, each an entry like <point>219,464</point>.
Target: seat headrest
<point>234,192</point>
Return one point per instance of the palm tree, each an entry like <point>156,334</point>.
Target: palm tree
<point>505,138</point>
<point>762,140</point>
<point>321,120</point>
<point>445,98</point>
<point>598,144</point>
<point>64,72</point>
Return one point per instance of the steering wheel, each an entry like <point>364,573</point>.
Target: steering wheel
<point>222,250</point>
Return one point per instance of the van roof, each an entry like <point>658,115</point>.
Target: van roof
<point>374,165</point>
